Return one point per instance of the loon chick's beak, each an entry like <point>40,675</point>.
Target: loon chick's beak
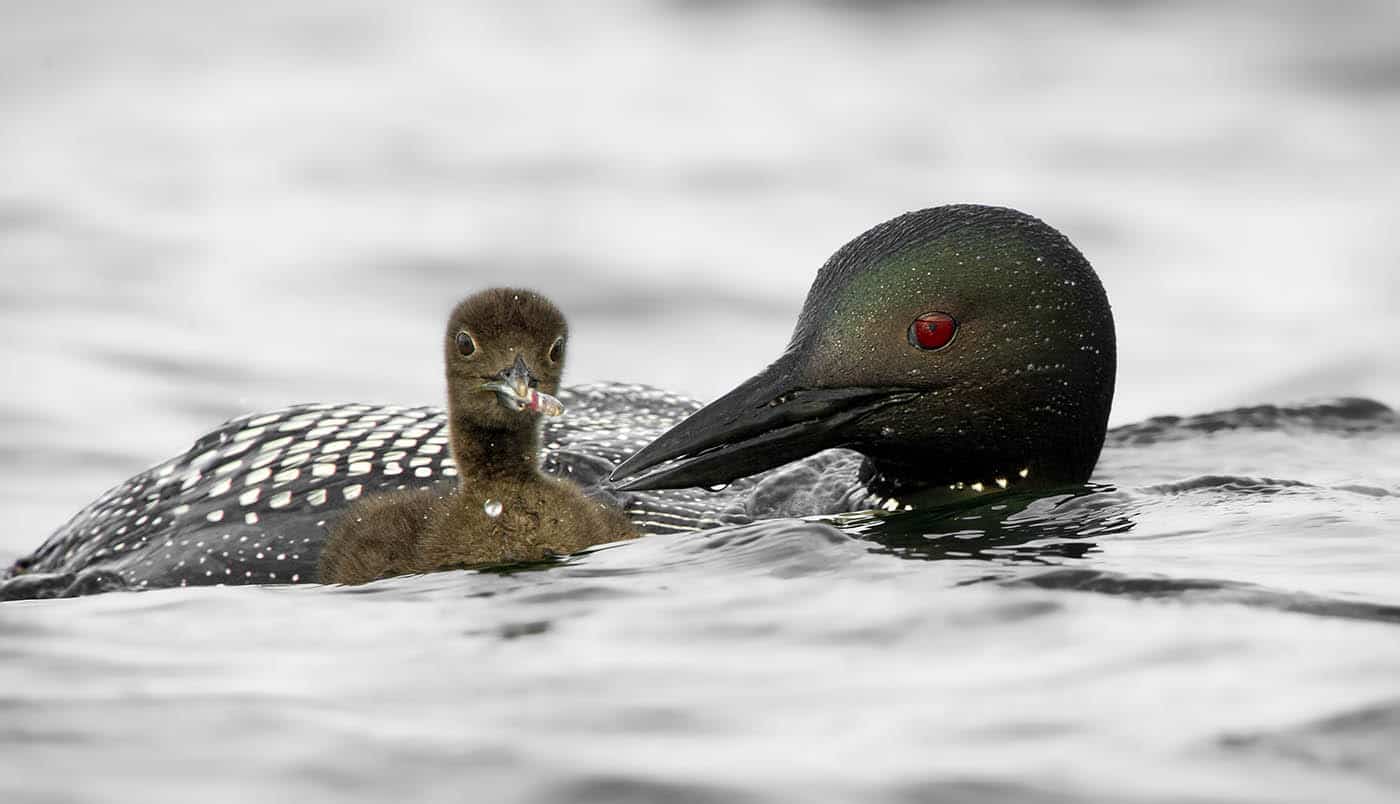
<point>513,390</point>
<point>765,422</point>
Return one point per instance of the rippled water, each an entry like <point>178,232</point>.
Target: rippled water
<point>210,209</point>
<point>1163,634</point>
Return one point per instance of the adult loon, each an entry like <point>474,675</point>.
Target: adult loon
<point>960,346</point>
<point>505,352</point>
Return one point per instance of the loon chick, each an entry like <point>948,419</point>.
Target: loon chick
<point>504,352</point>
<point>960,346</point>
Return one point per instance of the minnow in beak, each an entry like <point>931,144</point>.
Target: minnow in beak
<point>513,391</point>
<point>766,422</point>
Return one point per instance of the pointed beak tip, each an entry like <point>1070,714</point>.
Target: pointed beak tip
<point>623,470</point>
<point>628,484</point>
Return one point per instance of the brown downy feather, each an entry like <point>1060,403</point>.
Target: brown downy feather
<point>503,509</point>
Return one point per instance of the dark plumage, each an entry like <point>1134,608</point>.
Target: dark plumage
<point>958,346</point>
<point>503,509</point>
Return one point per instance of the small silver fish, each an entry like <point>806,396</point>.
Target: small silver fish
<point>532,400</point>
<point>543,403</point>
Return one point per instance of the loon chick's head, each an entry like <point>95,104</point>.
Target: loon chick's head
<point>504,351</point>
<point>955,345</point>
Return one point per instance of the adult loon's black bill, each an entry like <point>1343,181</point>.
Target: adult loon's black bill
<point>765,422</point>
<point>959,343</point>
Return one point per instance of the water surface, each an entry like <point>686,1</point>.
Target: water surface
<point>210,209</point>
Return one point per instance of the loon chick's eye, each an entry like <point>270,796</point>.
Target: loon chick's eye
<point>465,344</point>
<point>932,331</point>
<point>556,350</point>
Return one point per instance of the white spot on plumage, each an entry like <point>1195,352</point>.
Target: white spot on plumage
<point>204,459</point>
<point>352,492</point>
<point>257,476</point>
<point>214,516</point>
<point>295,460</point>
<point>280,499</point>
<point>263,459</point>
<point>238,448</point>
<point>251,432</point>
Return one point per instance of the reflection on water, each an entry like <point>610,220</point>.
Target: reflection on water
<point>1011,527</point>
<point>213,208</point>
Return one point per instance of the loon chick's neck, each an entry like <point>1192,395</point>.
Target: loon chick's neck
<point>955,345</point>
<point>490,453</point>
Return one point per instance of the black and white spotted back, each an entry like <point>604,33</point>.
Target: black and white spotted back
<point>252,501</point>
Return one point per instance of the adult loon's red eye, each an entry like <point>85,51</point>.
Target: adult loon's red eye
<point>932,331</point>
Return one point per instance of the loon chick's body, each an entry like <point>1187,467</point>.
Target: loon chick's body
<point>954,350</point>
<point>504,349</point>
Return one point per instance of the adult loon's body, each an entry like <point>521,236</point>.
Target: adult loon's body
<point>963,347</point>
<point>504,353</point>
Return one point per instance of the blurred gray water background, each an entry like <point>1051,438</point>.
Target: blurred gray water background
<point>209,208</point>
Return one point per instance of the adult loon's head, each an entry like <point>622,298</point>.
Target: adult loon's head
<point>959,344</point>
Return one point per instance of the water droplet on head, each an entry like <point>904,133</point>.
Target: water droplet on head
<point>492,508</point>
